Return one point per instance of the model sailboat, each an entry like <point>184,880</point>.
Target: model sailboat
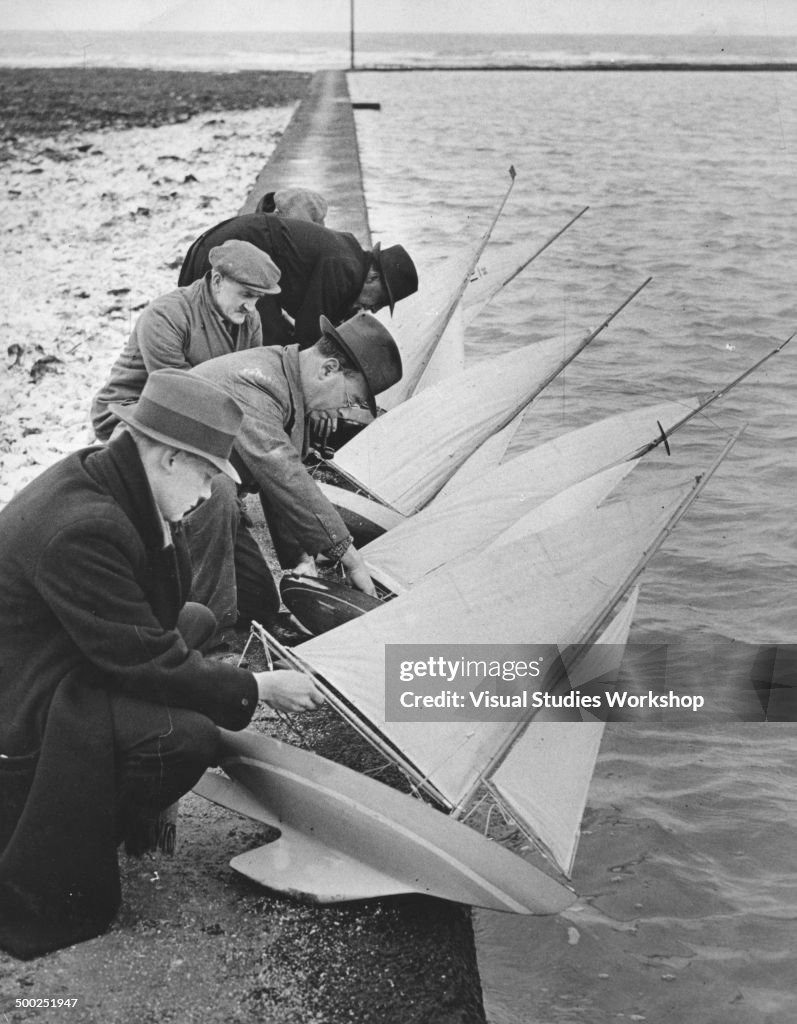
<point>379,841</point>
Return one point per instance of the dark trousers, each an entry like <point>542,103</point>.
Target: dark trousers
<point>160,752</point>
<point>230,574</point>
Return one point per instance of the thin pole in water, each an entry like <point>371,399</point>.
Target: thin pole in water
<point>351,35</point>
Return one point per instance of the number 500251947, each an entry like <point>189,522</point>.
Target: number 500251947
<point>37,1004</point>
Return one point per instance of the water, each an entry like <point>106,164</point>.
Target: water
<point>689,898</point>
<point>686,863</point>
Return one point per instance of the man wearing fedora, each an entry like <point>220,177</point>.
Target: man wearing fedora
<point>323,272</point>
<point>278,390</point>
<point>108,710</point>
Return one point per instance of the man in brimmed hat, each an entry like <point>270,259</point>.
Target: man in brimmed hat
<point>278,390</point>
<point>323,272</point>
<point>108,710</point>
<point>211,317</point>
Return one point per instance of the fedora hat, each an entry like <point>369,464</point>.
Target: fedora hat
<point>397,272</point>
<point>247,265</point>
<point>371,347</point>
<point>186,412</point>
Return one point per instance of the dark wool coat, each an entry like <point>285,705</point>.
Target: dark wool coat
<point>323,271</point>
<point>89,598</point>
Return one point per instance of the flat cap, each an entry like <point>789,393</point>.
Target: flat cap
<point>247,265</point>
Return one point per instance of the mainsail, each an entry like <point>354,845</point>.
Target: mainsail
<point>404,457</point>
<point>574,574</point>
<point>461,520</point>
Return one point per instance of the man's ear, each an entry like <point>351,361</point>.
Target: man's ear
<point>167,458</point>
<point>330,365</point>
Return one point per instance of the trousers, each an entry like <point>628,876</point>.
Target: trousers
<point>230,574</point>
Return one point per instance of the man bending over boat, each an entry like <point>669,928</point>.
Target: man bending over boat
<point>211,317</point>
<point>278,390</point>
<point>108,710</point>
<point>323,272</point>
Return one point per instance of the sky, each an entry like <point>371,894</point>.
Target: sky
<point>757,17</point>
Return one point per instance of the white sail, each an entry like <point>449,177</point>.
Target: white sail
<point>405,456</point>
<point>419,321</point>
<point>487,456</point>
<point>492,272</point>
<point>460,521</point>
<point>448,358</point>
<point>544,779</point>
<point>571,574</point>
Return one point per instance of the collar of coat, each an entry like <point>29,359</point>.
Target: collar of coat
<point>117,469</point>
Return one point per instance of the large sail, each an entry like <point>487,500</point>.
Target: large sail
<point>544,779</point>
<point>405,456</point>
<point>572,575</point>
<point>460,521</point>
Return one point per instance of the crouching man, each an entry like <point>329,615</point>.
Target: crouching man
<point>108,710</point>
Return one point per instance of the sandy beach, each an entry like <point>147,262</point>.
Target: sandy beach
<point>98,212</point>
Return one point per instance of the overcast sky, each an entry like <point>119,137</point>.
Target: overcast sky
<point>760,17</point>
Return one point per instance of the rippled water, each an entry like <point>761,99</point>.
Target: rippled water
<point>689,895</point>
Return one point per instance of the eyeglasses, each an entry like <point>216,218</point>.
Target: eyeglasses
<point>348,402</point>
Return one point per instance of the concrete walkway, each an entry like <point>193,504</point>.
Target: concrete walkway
<point>319,151</point>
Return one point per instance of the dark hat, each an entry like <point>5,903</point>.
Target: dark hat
<point>371,347</point>
<point>247,265</point>
<point>180,409</point>
<point>397,271</point>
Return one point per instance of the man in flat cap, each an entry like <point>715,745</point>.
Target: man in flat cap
<point>278,390</point>
<point>211,317</point>
<point>323,272</point>
<point>108,710</point>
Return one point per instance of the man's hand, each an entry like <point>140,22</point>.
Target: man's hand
<point>305,566</point>
<point>323,422</point>
<point>352,562</point>
<point>287,690</point>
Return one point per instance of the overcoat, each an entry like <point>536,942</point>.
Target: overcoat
<point>89,600</point>
<point>322,271</point>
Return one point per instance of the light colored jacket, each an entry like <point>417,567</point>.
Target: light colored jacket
<point>180,329</point>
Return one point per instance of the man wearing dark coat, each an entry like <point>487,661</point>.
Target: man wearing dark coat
<point>323,272</point>
<point>108,710</point>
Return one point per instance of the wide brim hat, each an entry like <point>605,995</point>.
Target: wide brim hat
<point>370,346</point>
<point>396,271</point>
<point>185,411</point>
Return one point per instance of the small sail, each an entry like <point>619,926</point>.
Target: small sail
<point>572,574</point>
<point>419,321</point>
<point>544,779</point>
<point>449,356</point>
<point>460,521</point>
<point>405,456</point>
<point>491,274</point>
<point>498,267</point>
